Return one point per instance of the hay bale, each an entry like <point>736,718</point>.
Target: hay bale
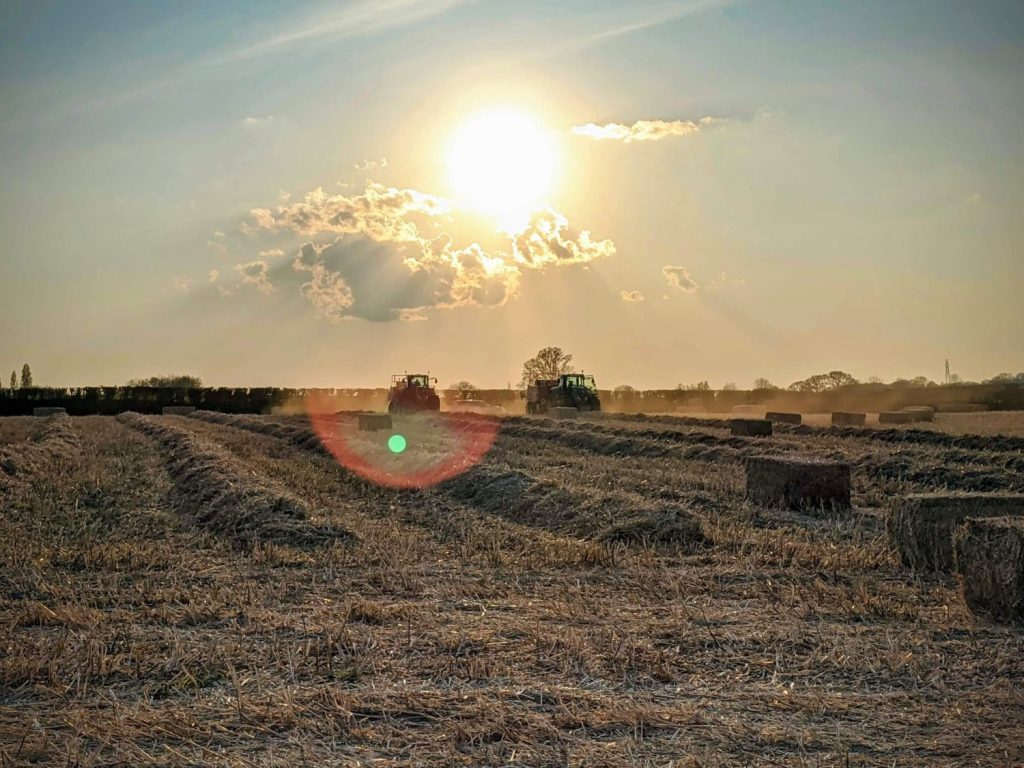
<point>177,410</point>
<point>921,412</point>
<point>921,525</point>
<point>47,411</point>
<point>371,422</point>
<point>778,417</point>
<point>563,413</point>
<point>896,417</point>
<point>845,419</point>
<point>751,427</point>
<point>798,482</point>
<point>990,558</point>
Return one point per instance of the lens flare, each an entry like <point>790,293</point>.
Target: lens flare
<point>424,449</point>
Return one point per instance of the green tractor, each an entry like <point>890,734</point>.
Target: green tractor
<point>570,390</point>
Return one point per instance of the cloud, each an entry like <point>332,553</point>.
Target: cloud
<point>217,246</point>
<point>283,194</point>
<point>632,297</point>
<point>255,273</point>
<point>547,240</point>
<point>382,213</point>
<point>255,122</point>
<point>642,130</point>
<point>272,253</point>
<point>213,275</point>
<point>182,284</point>
<point>327,292</point>
<point>679,278</point>
<point>391,259</point>
<point>369,165</point>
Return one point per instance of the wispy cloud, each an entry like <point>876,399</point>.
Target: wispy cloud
<point>366,17</point>
<point>632,297</point>
<point>369,165</point>
<point>255,273</point>
<point>642,130</point>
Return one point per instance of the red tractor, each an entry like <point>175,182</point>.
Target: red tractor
<point>412,392</point>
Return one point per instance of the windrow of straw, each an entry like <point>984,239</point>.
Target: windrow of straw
<point>57,443</point>
<point>523,499</point>
<point>219,494</point>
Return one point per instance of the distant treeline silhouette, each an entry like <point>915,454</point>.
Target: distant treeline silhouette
<point>860,397</point>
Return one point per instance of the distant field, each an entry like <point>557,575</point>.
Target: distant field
<point>989,423</point>
<point>218,590</point>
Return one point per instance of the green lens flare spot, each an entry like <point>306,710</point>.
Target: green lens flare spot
<point>396,443</point>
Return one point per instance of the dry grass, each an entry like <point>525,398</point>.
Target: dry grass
<point>460,632</point>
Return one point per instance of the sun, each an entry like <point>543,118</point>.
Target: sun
<point>502,163</point>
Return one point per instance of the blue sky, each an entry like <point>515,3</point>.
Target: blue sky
<point>853,203</point>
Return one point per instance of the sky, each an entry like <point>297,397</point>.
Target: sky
<point>325,193</point>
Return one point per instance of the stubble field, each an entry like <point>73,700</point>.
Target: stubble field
<point>218,590</point>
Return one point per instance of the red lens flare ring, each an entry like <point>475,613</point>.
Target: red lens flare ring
<point>436,447</point>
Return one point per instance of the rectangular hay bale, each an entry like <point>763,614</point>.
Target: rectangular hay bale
<point>371,422</point>
<point>990,559</point>
<point>896,417</point>
<point>921,525</point>
<point>780,417</point>
<point>845,419</point>
<point>563,413</point>
<point>48,411</point>
<point>798,482</point>
<point>751,427</point>
<point>177,410</point>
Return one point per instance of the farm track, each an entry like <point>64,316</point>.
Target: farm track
<point>130,637</point>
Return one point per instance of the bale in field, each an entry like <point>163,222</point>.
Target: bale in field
<point>921,525</point>
<point>47,411</point>
<point>563,413</point>
<point>798,482</point>
<point>751,427</point>
<point>990,558</point>
<point>778,417</point>
<point>896,417</point>
<point>844,419</point>
<point>921,412</point>
<point>178,410</point>
<point>370,422</point>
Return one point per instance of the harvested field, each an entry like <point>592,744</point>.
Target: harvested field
<point>216,589</point>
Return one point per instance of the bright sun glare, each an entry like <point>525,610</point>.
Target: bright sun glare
<point>502,163</point>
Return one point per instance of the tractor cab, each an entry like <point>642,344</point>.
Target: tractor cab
<point>578,381</point>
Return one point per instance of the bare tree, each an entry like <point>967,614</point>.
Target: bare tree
<point>729,386</point>
<point>763,383</point>
<point>463,388</point>
<point>549,363</point>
